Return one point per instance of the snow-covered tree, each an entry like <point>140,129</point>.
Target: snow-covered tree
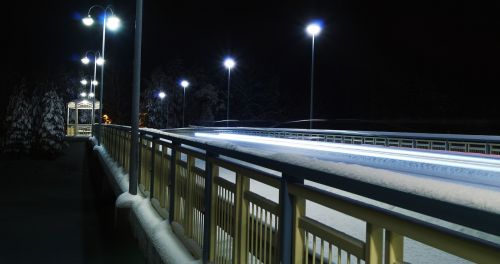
<point>51,131</point>
<point>18,123</point>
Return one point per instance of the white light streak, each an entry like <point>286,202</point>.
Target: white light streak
<point>487,164</point>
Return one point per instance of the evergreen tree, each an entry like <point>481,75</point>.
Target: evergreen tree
<point>18,123</point>
<point>51,132</point>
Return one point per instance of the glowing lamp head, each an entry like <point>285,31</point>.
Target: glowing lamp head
<point>100,61</point>
<point>113,22</point>
<point>91,94</point>
<point>84,82</point>
<point>85,60</point>
<point>184,84</point>
<point>313,29</point>
<point>162,95</point>
<point>95,83</point>
<point>229,63</point>
<point>83,94</point>
<point>88,21</point>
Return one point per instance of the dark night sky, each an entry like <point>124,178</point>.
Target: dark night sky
<point>375,59</point>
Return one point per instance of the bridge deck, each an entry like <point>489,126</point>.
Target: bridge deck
<point>50,214</point>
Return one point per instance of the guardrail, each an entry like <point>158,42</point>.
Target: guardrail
<point>223,221</point>
<point>450,142</point>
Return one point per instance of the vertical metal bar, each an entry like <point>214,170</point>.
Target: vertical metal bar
<point>152,171</point>
<point>374,241</point>
<point>394,247</point>
<point>207,228</point>
<point>140,160</point>
<point>171,181</point>
<point>289,214</point>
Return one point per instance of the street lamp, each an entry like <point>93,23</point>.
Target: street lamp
<point>313,30</point>
<point>229,63</point>
<point>184,85</point>
<point>85,60</point>
<point>112,23</point>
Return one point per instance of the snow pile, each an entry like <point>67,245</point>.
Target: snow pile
<point>158,231</point>
<point>153,231</point>
<point>120,178</point>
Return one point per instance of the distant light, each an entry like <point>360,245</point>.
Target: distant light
<point>229,63</point>
<point>85,60</point>
<point>83,94</point>
<point>95,83</point>
<point>184,84</point>
<point>88,21</point>
<point>313,29</point>
<point>162,95</point>
<point>91,95</point>
<point>84,82</point>
<point>113,23</point>
<point>100,61</point>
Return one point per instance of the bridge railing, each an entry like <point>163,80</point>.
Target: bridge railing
<point>210,194</point>
<point>460,143</point>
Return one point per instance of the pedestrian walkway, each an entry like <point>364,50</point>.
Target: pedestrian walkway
<point>51,212</point>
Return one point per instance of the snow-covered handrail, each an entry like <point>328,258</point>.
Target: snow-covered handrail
<point>189,163</point>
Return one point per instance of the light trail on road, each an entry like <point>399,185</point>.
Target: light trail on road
<point>443,159</point>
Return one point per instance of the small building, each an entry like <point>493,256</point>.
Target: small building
<point>81,116</point>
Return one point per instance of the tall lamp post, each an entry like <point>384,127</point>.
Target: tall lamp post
<point>98,60</point>
<point>229,63</point>
<point>112,23</point>
<point>313,30</point>
<point>162,96</point>
<point>184,85</point>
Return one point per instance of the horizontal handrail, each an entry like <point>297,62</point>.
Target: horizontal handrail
<point>209,206</point>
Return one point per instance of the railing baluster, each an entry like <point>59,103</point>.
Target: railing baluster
<point>374,244</point>
<point>393,247</point>
<point>210,224</point>
<point>171,182</point>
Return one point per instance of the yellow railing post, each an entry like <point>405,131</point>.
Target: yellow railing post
<point>212,239</point>
<point>374,244</point>
<point>240,251</point>
<point>191,182</point>
<point>394,244</point>
<point>298,245</point>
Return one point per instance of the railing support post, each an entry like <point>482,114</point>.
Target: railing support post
<point>287,225</point>
<point>374,244</point>
<point>393,248</point>
<point>171,181</point>
<point>209,228</point>
<point>240,252</point>
<point>152,170</point>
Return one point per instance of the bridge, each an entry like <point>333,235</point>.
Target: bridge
<point>247,195</point>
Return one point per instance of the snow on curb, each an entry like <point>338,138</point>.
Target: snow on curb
<point>157,230</point>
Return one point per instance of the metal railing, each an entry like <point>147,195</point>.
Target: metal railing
<point>460,143</point>
<point>203,189</point>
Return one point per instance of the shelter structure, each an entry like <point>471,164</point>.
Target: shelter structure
<point>81,114</point>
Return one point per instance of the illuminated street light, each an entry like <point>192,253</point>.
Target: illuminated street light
<point>84,82</point>
<point>95,83</point>
<point>83,94</point>
<point>162,95</point>
<point>100,61</point>
<point>313,30</point>
<point>229,63</point>
<point>85,60</point>
<point>184,85</point>
<point>91,95</point>
<point>88,20</point>
<point>112,23</point>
